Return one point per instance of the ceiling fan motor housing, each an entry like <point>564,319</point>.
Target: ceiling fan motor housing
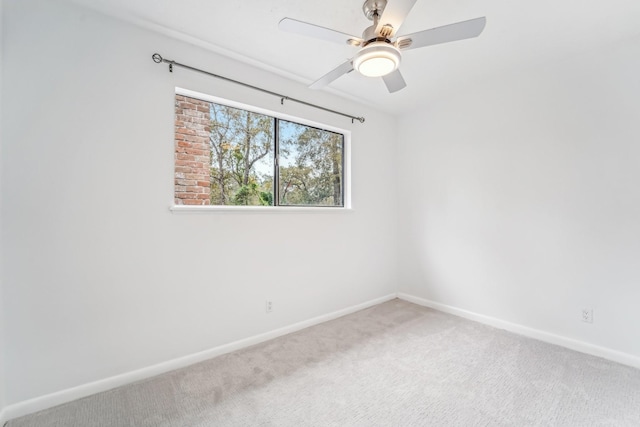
<point>373,8</point>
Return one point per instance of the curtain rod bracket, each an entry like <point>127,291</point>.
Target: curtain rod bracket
<point>157,58</point>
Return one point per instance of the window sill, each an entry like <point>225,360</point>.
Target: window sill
<point>184,209</point>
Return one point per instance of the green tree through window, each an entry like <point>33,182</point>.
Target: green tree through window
<point>310,165</point>
<point>242,146</point>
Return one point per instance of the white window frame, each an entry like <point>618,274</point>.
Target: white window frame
<point>346,167</point>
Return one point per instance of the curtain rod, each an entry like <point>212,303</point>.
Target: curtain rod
<point>157,58</point>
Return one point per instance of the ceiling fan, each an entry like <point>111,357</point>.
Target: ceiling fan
<point>379,53</point>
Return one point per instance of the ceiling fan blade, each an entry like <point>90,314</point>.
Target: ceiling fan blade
<point>394,15</point>
<point>344,68</point>
<point>448,33</point>
<point>394,81</point>
<point>310,30</point>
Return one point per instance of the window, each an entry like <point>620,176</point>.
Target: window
<point>229,156</point>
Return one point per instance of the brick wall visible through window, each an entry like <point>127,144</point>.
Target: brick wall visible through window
<point>192,152</point>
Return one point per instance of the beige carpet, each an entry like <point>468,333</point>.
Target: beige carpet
<point>396,364</point>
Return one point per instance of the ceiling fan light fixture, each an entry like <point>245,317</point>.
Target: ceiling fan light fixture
<point>377,59</point>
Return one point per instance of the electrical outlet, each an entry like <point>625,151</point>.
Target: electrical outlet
<point>587,315</point>
<point>269,306</point>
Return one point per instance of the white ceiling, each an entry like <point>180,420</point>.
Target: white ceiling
<point>518,35</point>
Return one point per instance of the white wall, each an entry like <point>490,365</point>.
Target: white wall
<point>2,310</point>
<point>102,278</point>
<point>520,198</point>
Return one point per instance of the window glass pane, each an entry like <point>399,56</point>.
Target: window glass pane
<point>225,156</point>
<point>310,160</point>
<point>242,152</point>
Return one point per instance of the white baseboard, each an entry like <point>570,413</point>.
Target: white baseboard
<point>570,343</point>
<point>47,401</point>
